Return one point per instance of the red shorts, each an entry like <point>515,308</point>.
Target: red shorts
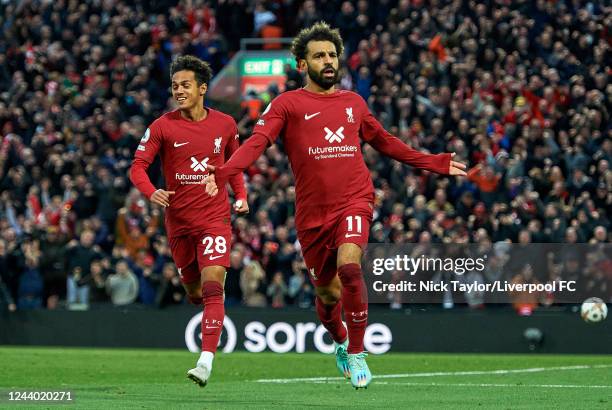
<point>193,252</point>
<point>320,245</point>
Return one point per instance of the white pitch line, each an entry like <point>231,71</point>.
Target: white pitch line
<point>498,385</point>
<point>434,374</point>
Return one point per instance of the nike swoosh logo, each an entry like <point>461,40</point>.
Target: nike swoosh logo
<point>176,144</point>
<point>360,320</point>
<point>307,117</point>
<point>212,258</point>
<point>350,235</point>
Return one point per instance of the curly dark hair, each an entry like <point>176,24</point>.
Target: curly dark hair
<point>201,69</point>
<point>319,31</point>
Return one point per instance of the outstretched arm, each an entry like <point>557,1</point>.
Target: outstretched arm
<point>237,181</point>
<point>374,134</point>
<point>240,160</point>
<point>394,148</point>
<point>265,132</point>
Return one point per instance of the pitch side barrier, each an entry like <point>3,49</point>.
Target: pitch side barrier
<point>413,329</point>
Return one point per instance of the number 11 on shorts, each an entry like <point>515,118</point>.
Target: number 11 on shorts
<point>353,222</point>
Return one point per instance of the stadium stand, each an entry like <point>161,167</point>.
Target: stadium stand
<point>519,90</point>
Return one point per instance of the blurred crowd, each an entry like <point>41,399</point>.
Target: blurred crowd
<point>519,90</point>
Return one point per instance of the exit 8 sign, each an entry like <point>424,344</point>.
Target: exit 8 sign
<point>263,66</point>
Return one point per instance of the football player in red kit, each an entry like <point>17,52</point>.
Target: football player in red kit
<point>189,140</point>
<point>321,129</point>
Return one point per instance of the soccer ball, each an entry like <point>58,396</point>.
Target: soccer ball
<point>593,310</point>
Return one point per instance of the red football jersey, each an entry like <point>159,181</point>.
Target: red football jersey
<point>186,148</point>
<point>321,135</point>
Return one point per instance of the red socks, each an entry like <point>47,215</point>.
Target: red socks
<point>214,312</point>
<point>331,318</point>
<point>355,301</point>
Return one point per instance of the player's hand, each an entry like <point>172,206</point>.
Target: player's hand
<point>161,197</point>
<point>241,207</point>
<point>211,184</point>
<point>456,168</point>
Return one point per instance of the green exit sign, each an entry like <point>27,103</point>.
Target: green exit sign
<point>263,66</point>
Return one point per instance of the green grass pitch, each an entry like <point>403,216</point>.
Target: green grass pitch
<point>119,378</point>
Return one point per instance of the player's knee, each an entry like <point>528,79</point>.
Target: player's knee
<point>194,292</point>
<point>349,253</point>
<point>329,298</point>
<point>194,296</point>
<point>329,295</point>
<point>348,258</point>
<point>214,274</point>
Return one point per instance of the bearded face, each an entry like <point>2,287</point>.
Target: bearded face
<point>324,78</point>
<point>322,63</point>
